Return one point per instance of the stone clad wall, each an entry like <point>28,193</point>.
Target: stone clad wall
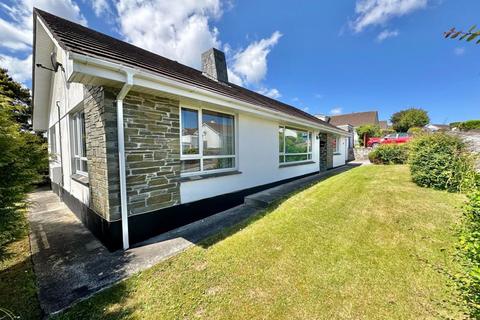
<point>152,151</point>
<point>102,151</point>
<point>330,139</point>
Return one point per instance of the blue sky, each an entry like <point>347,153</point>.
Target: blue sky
<point>321,56</point>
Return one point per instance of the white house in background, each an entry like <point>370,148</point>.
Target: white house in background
<point>144,144</point>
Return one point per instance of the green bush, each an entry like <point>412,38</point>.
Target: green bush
<point>469,253</point>
<point>389,154</point>
<point>470,125</point>
<point>442,161</point>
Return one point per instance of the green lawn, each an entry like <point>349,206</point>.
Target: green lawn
<point>366,244</point>
<point>18,291</point>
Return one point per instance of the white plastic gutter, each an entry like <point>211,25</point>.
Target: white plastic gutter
<point>121,157</point>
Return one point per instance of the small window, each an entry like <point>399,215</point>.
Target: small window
<point>295,144</point>
<point>336,144</point>
<point>79,146</point>
<point>52,137</point>
<point>207,141</point>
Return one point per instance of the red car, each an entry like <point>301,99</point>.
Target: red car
<point>391,138</point>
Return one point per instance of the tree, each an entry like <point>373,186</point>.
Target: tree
<point>469,35</point>
<point>409,118</point>
<point>367,131</point>
<point>19,100</point>
<point>23,156</point>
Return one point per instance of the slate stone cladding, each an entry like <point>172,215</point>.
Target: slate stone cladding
<point>152,151</point>
<point>102,154</point>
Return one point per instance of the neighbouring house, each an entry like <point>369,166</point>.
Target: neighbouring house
<point>383,124</point>
<point>142,144</point>
<point>356,120</point>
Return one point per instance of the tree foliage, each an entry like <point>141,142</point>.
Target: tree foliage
<point>367,131</point>
<point>470,35</point>
<point>19,100</point>
<point>23,155</point>
<point>409,118</point>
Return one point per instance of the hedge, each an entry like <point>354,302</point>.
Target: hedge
<point>389,154</point>
<point>442,161</point>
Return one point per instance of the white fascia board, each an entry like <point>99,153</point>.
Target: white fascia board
<point>114,71</point>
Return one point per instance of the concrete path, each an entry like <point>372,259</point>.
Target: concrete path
<point>71,264</point>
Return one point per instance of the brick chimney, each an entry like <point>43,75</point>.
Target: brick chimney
<point>214,65</point>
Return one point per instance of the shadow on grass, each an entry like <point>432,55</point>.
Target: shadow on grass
<point>258,213</point>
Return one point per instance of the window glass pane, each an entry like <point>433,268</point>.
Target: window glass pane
<point>190,165</point>
<point>297,157</point>
<point>218,133</point>
<point>84,166</point>
<point>189,131</point>
<point>296,141</point>
<point>75,135</point>
<point>83,139</point>
<point>218,163</point>
<point>281,137</point>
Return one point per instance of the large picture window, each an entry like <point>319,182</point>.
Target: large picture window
<point>207,141</point>
<point>295,145</point>
<point>79,147</point>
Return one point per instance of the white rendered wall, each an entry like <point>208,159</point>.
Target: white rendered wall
<point>68,97</point>
<point>258,162</point>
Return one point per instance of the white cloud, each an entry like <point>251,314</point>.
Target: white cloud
<point>272,93</point>
<point>459,51</point>
<point>100,7</point>
<point>16,33</point>
<point>19,69</point>
<point>378,12</point>
<point>385,34</point>
<point>179,30</point>
<point>250,64</point>
<point>234,78</point>
<point>336,111</point>
<point>318,95</point>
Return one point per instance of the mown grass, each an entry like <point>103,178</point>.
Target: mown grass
<point>18,290</point>
<point>366,244</point>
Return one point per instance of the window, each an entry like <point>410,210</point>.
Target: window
<point>52,135</point>
<point>336,145</point>
<point>207,141</point>
<point>295,145</point>
<point>79,147</point>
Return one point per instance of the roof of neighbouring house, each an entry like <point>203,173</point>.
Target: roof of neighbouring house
<point>79,39</point>
<point>355,119</point>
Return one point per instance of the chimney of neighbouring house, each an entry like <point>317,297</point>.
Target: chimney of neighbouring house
<point>323,117</point>
<point>214,65</point>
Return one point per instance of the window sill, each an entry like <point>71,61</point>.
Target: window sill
<point>208,176</point>
<point>285,165</point>
<point>80,179</point>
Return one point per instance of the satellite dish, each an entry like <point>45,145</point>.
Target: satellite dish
<point>53,60</point>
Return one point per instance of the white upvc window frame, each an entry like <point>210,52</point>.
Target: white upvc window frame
<point>76,136</point>
<point>284,154</point>
<point>200,155</point>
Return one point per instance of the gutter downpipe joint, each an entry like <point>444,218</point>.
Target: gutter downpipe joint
<point>121,157</point>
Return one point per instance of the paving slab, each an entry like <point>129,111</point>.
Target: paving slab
<point>71,264</point>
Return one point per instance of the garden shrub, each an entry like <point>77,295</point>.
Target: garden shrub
<point>389,154</point>
<point>469,252</point>
<point>442,161</point>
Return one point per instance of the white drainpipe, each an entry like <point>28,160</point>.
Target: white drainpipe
<point>121,158</point>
